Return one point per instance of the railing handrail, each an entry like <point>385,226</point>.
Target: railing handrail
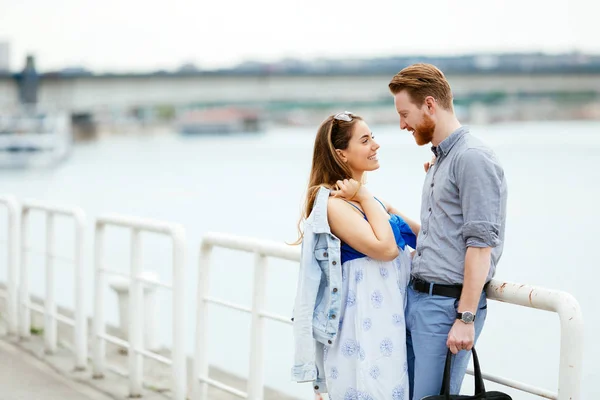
<point>50,309</point>
<point>136,282</point>
<point>12,252</point>
<point>144,224</point>
<point>251,245</point>
<point>564,304</point>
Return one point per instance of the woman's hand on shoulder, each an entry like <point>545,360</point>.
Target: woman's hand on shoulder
<point>429,164</point>
<point>350,189</point>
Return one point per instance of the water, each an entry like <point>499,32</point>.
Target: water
<point>253,186</point>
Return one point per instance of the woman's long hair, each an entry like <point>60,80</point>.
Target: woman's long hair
<point>327,166</point>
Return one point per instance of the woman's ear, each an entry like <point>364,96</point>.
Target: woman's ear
<point>341,154</point>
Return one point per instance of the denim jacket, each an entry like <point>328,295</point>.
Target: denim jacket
<point>318,296</point>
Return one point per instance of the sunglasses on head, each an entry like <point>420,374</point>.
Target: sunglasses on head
<point>343,116</point>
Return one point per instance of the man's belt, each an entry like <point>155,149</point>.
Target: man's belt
<point>436,289</point>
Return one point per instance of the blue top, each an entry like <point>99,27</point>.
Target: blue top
<point>402,233</point>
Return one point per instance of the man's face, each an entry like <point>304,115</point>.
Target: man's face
<point>414,119</point>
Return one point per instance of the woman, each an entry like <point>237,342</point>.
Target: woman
<point>354,312</point>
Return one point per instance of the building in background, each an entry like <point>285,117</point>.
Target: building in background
<point>4,57</point>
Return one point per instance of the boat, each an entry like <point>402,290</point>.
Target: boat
<point>33,138</point>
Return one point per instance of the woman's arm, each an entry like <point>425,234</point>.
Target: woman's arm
<point>374,238</point>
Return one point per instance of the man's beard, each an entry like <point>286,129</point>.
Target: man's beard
<point>424,131</point>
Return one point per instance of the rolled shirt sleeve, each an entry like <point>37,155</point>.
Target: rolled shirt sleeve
<point>480,180</point>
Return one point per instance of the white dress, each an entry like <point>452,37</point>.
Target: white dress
<point>367,361</point>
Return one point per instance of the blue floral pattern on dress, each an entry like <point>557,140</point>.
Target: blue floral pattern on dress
<point>364,396</point>
<point>398,320</point>
<point>361,354</point>
<point>351,394</point>
<point>334,373</point>
<point>349,347</point>
<point>374,372</point>
<point>377,299</point>
<point>366,325</point>
<point>359,275</point>
<point>383,271</point>
<point>351,299</point>
<point>398,393</point>
<point>386,347</point>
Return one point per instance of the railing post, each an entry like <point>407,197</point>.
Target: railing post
<point>200,389</point>
<point>12,252</point>
<point>25,321</point>
<point>255,378</point>
<point>571,348</point>
<point>99,343</point>
<point>49,302</point>
<point>135,314</point>
<point>179,375</point>
<point>120,286</point>
<point>81,346</point>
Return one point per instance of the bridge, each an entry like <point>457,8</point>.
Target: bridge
<point>88,93</point>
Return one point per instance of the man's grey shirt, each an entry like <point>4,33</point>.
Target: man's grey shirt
<point>463,205</point>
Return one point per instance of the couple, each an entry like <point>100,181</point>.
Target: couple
<point>372,320</point>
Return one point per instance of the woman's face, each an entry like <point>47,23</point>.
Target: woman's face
<point>361,153</point>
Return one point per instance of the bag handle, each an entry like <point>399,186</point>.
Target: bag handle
<point>479,385</point>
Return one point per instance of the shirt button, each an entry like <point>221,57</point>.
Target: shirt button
<point>329,341</point>
<point>333,316</point>
<point>316,388</point>
<point>431,184</point>
<point>419,254</point>
<point>334,263</point>
<point>424,232</point>
<point>429,209</point>
<point>325,254</point>
<point>334,290</point>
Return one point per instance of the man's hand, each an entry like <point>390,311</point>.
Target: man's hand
<point>461,337</point>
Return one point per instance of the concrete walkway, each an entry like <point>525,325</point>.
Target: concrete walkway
<point>24,377</point>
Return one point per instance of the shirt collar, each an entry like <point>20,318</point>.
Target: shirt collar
<point>446,145</point>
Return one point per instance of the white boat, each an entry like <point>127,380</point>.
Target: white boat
<point>34,138</point>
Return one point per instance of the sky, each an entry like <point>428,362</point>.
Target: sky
<point>146,35</point>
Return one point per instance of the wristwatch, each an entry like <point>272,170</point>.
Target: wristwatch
<point>467,317</point>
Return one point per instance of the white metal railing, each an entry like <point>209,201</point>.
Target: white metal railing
<point>135,342</point>
<point>565,305</point>
<point>50,310</point>
<point>261,249</point>
<point>12,250</point>
<point>571,329</point>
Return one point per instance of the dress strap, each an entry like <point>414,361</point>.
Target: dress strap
<point>382,205</point>
<point>361,211</point>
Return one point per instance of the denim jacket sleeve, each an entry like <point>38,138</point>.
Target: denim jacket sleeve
<point>309,278</point>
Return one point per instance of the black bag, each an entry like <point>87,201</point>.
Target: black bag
<point>480,393</point>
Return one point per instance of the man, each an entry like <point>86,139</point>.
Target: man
<point>463,215</point>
